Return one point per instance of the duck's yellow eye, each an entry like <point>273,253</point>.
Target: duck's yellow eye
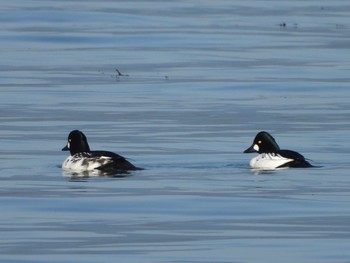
<point>259,142</point>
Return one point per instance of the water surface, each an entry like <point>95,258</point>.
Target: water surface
<point>199,80</point>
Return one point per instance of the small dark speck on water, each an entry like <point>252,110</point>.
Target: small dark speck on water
<point>119,73</point>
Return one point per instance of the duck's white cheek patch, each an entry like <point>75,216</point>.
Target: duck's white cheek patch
<point>68,145</point>
<point>256,147</point>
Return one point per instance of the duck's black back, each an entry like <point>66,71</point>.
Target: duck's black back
<point>298,159</point>
<point>118,162</point>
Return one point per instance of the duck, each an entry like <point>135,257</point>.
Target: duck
<point>271,156</point>
<point>82,159</point>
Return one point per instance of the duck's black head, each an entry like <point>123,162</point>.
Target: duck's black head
<point>263,143</point>
<point>77,143</point>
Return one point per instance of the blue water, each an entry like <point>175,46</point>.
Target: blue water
<point>199,80</point>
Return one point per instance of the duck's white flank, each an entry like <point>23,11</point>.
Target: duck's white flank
<point>268,161</point>
<point>80,162</point>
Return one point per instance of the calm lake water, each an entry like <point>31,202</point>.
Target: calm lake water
<point>198,80</point>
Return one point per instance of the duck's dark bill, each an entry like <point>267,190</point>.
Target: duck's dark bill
<point>250,149</point>
<point>65,148</point>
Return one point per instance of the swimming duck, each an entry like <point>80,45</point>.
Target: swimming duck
<point>81,159</point>
<point>271,156</point>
